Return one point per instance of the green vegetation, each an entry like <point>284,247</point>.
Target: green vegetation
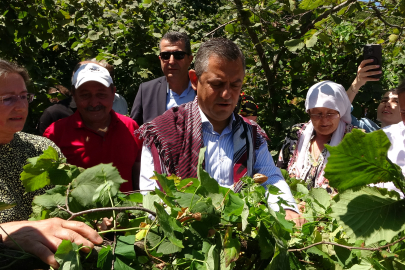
<point>197,224</point>
<point>289,45</point>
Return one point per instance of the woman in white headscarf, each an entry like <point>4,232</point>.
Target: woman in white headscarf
<point>303,154</point>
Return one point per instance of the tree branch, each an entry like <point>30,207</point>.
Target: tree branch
<point>222,25</point>
<point>244,16</point>
<point>107,209</point>
<point>67,198</point>
<point>323,16</point>
<point>347,247</point>
<point>379,15</point>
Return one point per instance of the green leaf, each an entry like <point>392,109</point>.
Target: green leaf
<point>234,205</point>
<point>34,182</point>
<point>361,159</point>
<point>52,198</point>
<point>280,259</point>
<point>370,214</point>
<point>324,38</point>
<point>310,4</point>
<point>149,201</point>
<point>294,44</point>
<point>312,41</point>
<point>321,200</point>
<point>95,184</point>
<point>207,182</point>
<point>67,255</point>
<point>121,265</point>
<point>63,175</point>
<point>169,225</point>
<point>117,62</point>
<point>266,242</point>
<point>230,28</point>
<point>213,258</point>
<point>231,247</point>
<point>166,247</point>
<point>93,35</point>
<point>134,197</point>
<point>125,246</point>
<point>4,206</point>
<point>168,185</point>
<point>35,174</point>
<point>103,255</point>
<point>286,224</point>
<point>245,215</point>
<point>336,19</point>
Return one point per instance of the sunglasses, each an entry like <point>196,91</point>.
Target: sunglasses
<point>177,55</point>
<point>10,100</point>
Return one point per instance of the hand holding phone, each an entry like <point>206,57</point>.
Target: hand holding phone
<point>374,52</point>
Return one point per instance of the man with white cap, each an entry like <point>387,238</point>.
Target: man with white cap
<point>96,134</point>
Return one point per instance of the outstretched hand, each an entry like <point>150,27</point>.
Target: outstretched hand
<point>42,238</point>
<point>294,216</point>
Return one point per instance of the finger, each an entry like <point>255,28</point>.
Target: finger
<point>366,77</point>
<point>74,237</point>
<point>365,62</point>
<point>367,68</point>
<point>83,230</point>
<point>42,252</point>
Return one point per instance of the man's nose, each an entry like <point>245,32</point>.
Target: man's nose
<point>226,92</point>
<point>171,59</point>
<point>94,101</point>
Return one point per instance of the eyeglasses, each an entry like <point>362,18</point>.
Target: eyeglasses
<point>10,100</point>
<point>318,116</point>
<point>178,55</point>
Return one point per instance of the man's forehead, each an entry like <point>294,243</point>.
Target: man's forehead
<point>222,64</point>
<point>165,44</point>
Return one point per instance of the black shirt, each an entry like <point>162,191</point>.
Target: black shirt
<point>62,109</point>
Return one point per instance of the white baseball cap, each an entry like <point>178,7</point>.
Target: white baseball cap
<point>91,73</point>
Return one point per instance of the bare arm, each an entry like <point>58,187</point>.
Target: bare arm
<point>361,78</point>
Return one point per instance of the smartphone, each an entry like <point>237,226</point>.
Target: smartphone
<point>373,51</point>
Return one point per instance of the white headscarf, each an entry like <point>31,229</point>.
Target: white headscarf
<point>329,95</point>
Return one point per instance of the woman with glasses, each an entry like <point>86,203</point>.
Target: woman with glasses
<point>16,146</point>
<point>40,238</point>
<point>303,154</point>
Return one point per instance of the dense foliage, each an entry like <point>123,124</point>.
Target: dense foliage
<point>196,224</point>
<point>289,45</point>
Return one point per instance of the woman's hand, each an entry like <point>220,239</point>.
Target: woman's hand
<point>363,72</point>
<point>42,238</point>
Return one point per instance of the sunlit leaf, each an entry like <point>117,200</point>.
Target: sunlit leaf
<point>370,214</point>
<point>361,159</point>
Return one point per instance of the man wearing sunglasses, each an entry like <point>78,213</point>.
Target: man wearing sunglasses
<point>174,88</point>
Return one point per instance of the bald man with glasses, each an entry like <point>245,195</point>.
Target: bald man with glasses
<point>174,88</point>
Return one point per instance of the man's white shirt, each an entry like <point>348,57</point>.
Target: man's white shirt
<point>219,163</point>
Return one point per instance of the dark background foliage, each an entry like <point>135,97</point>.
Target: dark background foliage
<point>289,45</point>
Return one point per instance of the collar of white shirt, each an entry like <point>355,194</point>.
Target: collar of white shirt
<point>185,92</point>
<point>208,126</point>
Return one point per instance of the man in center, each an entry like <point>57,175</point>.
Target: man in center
<point>235,148</point>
